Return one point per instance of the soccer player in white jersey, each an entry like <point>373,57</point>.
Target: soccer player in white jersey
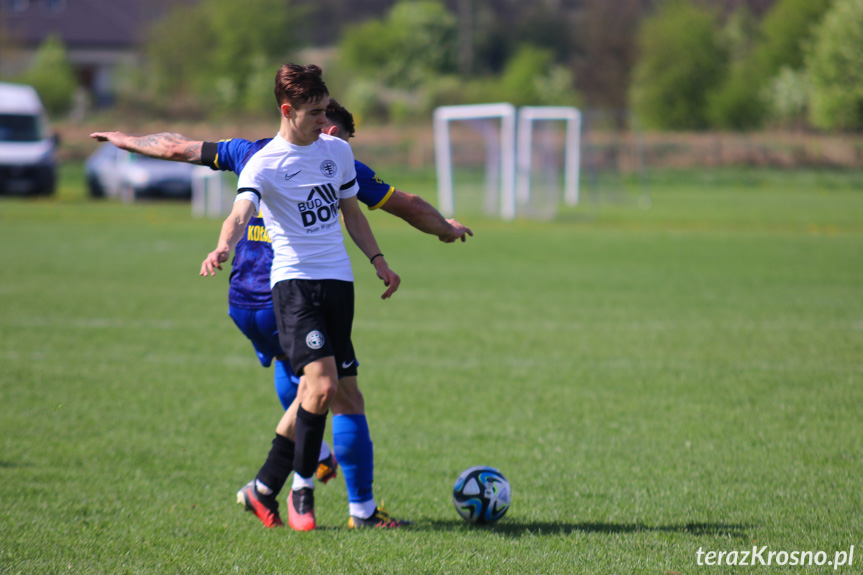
<point>250,282</point>
<point>300,182</point>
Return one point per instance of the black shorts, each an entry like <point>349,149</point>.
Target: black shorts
<point>315,318</point>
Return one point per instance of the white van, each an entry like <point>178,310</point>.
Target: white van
<point>28,146</point>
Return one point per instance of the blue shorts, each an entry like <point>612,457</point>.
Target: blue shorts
<point>259,325</point>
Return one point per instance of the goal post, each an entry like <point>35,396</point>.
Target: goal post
<point>527,117</point>
<point>508,137</point>
<point>211,198</point>
<point>500,154</point>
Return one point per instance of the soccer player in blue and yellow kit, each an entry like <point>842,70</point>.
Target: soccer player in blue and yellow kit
<point>250,299</point>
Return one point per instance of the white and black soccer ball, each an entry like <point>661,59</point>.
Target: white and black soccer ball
<point>481,495</point>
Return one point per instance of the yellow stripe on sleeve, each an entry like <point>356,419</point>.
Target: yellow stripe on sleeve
<point>384,200</point>
<point>216,161</point>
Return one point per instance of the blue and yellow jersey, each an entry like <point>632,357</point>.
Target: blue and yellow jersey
<point>374,192</point>
<point>250,270</point>
<point>253,256</point>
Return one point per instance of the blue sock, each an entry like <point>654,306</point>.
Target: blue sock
<point>353,448</point>
<point>286,382</point>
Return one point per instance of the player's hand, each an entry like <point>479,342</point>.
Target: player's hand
<point>390,278</point>
<point>116,138</point>
<point>457,231</point>
<point>213,262</point>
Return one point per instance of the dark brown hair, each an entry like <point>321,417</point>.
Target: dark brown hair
<point>338,115</point>
<point>297,84</point>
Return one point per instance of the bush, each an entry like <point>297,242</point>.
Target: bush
<point>530,78</point>
<point>52,76</point>
<point>778,60</point>
<point>415,41</point>
<point>218,55</point>
<point>682,60</point>
<point>788,94</point>
<point>738,104</point>
<point>834,64</point>
<point>786,30</point>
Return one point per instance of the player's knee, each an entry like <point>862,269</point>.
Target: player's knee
<point>321,383</point>
<point>328,392</point>
<point>321,394</point>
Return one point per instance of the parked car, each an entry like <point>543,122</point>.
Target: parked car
<point>115,173</point>
<point>28,146</point>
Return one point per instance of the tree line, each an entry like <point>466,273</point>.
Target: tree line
<point>676,64</point>
<point>799,65</point>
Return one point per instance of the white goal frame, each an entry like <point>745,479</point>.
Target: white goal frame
<point>515,148</point>
<point>443,152</point>
<point>527,115</point>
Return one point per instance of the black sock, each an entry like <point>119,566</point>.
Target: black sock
<point>310,433</point>
<point>279,464</point>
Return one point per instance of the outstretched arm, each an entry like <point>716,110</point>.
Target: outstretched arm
<point>424,217</point>
<point>162,146</point>
<point>360,231</point>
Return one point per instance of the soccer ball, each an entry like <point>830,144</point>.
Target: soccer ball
<point>481,495</point>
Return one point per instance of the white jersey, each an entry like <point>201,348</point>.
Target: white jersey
<point>297,189</point>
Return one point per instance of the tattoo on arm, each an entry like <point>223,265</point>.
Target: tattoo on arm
<point>168,146</point>
<point>157,141</point>
<point>192,152</point>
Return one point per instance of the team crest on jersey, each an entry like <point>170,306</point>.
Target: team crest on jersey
<point>315,339</point>
<point>328,168</point>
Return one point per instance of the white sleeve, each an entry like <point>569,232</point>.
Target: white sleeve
<point>249,187</point>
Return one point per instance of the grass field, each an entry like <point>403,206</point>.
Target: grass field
<point>652,382</point>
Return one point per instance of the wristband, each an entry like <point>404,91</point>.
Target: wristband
<point>372,259</point>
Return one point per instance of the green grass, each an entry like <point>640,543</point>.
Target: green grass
<point>651,381</point>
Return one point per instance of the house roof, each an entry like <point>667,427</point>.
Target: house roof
<point>82,23</point>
